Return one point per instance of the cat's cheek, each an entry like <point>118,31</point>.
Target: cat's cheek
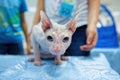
<point>67,44</point>
<point>49,43</point>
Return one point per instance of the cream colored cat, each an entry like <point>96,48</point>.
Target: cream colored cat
<point>50,39</point>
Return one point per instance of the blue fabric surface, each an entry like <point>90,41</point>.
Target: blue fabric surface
<point>112,55</point>
<point>95,67</point>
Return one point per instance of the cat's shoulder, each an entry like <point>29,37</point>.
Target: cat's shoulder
<point>37,29</point>
<point>38,32</point>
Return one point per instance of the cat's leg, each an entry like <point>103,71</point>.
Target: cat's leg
<point>58,60</point>
<point>36,50</point>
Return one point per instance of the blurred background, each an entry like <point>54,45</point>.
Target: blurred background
<point>112,5</point>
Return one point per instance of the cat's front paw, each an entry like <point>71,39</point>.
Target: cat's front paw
<point>64,58</point>
<point>37,62</point>
<point>58,62</point>
<point>31,59</point>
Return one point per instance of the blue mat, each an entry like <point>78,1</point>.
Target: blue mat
<point>112,55</point>
<point>95,67</point>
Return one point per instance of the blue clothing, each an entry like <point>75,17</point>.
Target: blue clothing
<point>10,20</point>
<point>14,49</point>
<point>78,39</point>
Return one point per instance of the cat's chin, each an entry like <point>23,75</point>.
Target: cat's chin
<point>57,54</point>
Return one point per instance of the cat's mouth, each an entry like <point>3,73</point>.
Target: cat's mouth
<point>55,52</point>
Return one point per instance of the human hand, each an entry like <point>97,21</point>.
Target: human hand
<point>91,39</point>
<point>28,49</point>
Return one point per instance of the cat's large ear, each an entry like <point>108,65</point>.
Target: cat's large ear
<point>45,20</point>
<point>71,25</point>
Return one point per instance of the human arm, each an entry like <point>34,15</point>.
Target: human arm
<point>25,30</point>
<point>91,32</point>
<point>40,6</point>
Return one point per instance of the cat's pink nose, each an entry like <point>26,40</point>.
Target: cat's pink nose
<point>57,51</point>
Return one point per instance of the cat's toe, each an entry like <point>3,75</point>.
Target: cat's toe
<point>58,62</point>
<point>31,60</point>
<point>37,63</point>
<point>64,58</point>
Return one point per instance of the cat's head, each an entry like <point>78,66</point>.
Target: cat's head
<point>58,37</point>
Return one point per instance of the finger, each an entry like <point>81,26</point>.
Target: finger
<point>86,47</point>
<point>29,53</point>
<point>93,43</point>
<point>89,46</point>
<point>95,40</point>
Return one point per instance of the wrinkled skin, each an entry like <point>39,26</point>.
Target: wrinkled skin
<point>50,39</point>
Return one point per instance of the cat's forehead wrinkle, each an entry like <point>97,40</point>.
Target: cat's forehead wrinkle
<point>57,26</point>
<point>58,30</point>
<point>63,33</point>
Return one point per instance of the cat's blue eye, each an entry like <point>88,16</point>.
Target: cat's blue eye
<point>49,38</point>
<point>66,39</point>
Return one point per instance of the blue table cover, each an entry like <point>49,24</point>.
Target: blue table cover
<point>95,67</point>
<point>112,55</point>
